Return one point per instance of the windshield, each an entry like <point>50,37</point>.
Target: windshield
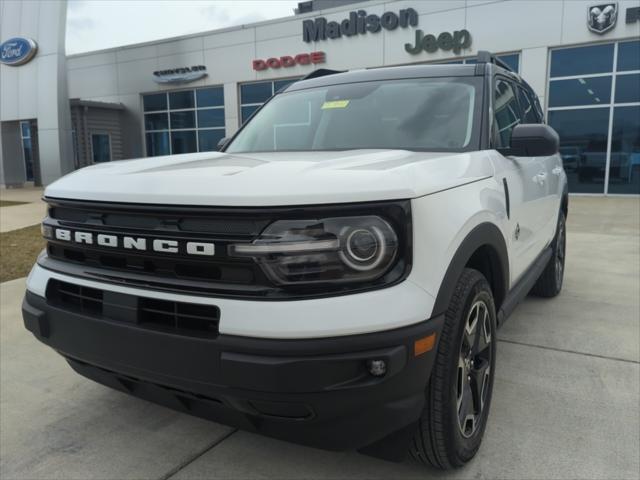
<point>435,114</point>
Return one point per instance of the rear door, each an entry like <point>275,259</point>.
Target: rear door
<point>525,179</point>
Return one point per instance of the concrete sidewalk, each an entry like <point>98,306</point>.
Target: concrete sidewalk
<point>20,216</point>
<point>565,403</point>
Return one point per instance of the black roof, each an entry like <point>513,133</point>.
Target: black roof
<point>386,73</point>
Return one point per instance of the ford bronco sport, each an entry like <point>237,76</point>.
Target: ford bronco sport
<point>334,276</point>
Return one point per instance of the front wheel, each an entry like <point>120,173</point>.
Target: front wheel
<point>459,391</point>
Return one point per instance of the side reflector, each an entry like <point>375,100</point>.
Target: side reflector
<point>424,345</point>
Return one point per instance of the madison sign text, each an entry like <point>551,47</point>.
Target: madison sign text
<point>358,23</point>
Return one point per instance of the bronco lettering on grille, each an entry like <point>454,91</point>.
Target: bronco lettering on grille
<point>135,243</point>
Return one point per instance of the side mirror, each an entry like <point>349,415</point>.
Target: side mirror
<point>533,140</point>
<point>221,143</point>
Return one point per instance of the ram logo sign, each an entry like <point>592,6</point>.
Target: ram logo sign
<point>17,51</point>
<point>602,18</point>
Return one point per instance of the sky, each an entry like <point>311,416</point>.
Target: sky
<point>98,24</point>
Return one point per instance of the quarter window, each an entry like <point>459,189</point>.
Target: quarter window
<point>528,107</point>
<point>183,121</point>
<point>507,112</point>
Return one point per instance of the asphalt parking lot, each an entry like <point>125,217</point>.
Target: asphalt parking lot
<point>565,405</point>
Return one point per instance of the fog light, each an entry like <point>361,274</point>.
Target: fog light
<point>46,230</point>
<point>377,368</point>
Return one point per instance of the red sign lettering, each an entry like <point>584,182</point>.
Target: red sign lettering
<point>287,61</point>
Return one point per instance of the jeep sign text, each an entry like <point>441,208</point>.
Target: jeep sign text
<point>358,23</point>
<point>455,41</point>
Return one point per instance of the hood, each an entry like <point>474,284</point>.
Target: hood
<point>273,178</point>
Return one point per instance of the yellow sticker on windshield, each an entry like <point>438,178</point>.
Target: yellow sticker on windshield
<point>335,104</point>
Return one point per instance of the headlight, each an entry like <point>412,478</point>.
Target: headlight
<point>334,250</point>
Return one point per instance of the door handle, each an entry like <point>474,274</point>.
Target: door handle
<point>540,178</point>
<point>557,170</point>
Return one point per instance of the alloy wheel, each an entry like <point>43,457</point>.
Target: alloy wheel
<point>474,368</point>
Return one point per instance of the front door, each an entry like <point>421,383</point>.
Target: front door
<point>526,181</point>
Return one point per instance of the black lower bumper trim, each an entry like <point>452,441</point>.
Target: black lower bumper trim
<point>316,392</point>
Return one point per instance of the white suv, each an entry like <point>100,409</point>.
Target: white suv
<point>334,276</point>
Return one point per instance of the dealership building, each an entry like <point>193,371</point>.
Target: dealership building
<point>62,112</point>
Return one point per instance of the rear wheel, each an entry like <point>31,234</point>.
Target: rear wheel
<point>550,282</point>
<point>459,390</point>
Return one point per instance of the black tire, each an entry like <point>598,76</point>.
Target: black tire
<point>550,282</point>
<point>442,441</point>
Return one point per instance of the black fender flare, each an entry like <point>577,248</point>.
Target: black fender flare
<point>483,235</point>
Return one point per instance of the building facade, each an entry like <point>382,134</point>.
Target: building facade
<point>185,94</point>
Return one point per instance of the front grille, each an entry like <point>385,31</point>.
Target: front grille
<point>169,316</point>
<point>182,270</point>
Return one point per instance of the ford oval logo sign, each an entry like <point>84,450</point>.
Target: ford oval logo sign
<point>17,51</point>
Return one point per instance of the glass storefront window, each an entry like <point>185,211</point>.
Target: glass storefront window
<point>208,139</point>
<point>583,146</point>
<point>100,147</point>
<point>253,95</point>
<point>155,102</point>
<point>590,102</point>
<point>179,100</point>
<point>157,144</point>
<point>624,169</point>
<point>184,141</point>
<point>183,121</point>
<point>580,91</point>
<point>628,88</point>
<point>210,97</point>
<point>629,56</point>
<point>582,60</point>
<point>27,149</point>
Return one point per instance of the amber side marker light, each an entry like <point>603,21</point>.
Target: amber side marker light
<point>424,345</point>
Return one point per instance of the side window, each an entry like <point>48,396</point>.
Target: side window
<point>529,110</point>
<point>507,112</point>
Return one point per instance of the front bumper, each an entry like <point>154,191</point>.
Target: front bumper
<point>316,392</point>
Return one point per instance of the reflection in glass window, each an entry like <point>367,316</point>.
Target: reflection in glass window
<point>156,121</point>
<point>211,117</point>
<point>507,112</point>
<point>583,146</point>
<point>157,144</point>
<point>208,139</point>
<point>624,169</point>
<point>183,142</point>
<point>628,88</point>
<point>178,100</point>
<point>152,103</point>
<point>253,95</point>
<point>432,114</point>
<point>628,56</point>
<point>27,149</point>
<point>529,111</point>
<point>210,97</point>
<point>567,62</point>
<point>256,92</point>
<point>187,117</point>
<point>100,147</point>
<point>580,91</point>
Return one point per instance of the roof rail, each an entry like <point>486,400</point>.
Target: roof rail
<point>485,56</point>
<point>321,72</point>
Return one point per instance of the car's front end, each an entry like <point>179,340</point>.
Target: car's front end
<point>252,317</point>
